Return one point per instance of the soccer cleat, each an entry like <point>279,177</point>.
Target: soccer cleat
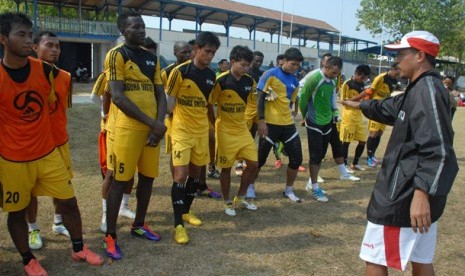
<point>371,163</point>
<point>357,167</point>
<point>349,170</point>
<point>278,164</point>
<point>33,268</point>
<point>191,218</point>
<point>229,209</point>
<point>250,192</point>
<point>349,177</point>
<point>377,161</point>
<point>35,239</point>
<point>209,193</point>
<point>319,195</point>
<point>320,179</point>
<point>239,169</point>
<point>302,169</point>
<point>309,187</point>
<point>60,229</point>
<point>111,248</point>
<point>292,196</point>
<point>214,174</point>
<point>180,234</point>
<point>245,203</point>
<point>85,255</point>
<point>125,212</point>
<point>144,232</point>
<point>103,227</point>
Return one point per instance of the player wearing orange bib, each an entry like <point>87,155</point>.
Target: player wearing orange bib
<point>29,162</point>
<point>47,47</point>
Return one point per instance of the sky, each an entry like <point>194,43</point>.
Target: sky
<point>326,10</point>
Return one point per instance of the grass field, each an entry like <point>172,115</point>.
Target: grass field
<point>280,238</point>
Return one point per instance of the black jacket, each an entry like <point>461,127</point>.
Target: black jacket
<point>419,154</point>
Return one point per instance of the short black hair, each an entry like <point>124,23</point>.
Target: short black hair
<point>279,57</point>
<point>149,43</point>
<point>334,61</point>
<point>123,18</point>
<point>258,54</point>
<point>293,54</point>
<point>450,77</point>
<point>7,20</point>
<point>241,53</point>
<point>223,60</point>
<point>207,38</point>
<point>191,42</point>
<point>326,55</point>
<point>38,37</point>
<point>363,69</point>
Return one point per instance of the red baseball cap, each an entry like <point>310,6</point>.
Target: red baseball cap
<point>420,40</point>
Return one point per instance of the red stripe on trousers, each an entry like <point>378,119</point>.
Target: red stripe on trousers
<point>391,246</point>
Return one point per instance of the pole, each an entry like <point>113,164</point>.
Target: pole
<point>340,31</point>
<point>281,29</point>
<point>292,21</point>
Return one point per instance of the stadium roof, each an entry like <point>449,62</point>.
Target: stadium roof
<point>222,12</point>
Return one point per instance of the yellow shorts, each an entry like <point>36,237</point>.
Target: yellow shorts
<point>130,153</point>
<point>375,126</point>
<point>168,124</point>
<point>230,148</point>
<point>110,155</point>
<point>66,155</point>
<point>46,176</point>
<point>193,150</point>
<point>352,131</point>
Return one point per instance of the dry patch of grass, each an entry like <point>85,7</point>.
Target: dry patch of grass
<point>280,238</point>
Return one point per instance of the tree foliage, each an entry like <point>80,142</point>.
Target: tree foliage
<point>443,18</point>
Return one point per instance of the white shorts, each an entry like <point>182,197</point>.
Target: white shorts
<point>394,246</point>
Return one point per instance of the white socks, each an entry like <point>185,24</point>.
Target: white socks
<point>342,169</point>
<point>57,219</point>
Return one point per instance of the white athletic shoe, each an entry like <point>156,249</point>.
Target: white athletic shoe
<point>292,196</point>
<point>320,179</point>
<point>245,203</point>
<point>229,209</point>
<point>125,212</point>
<point>35,239</point>
<point>60,229</point>
<point>349,170</point>
<point>349,177</point>
<point>309,187</point>
<point>357,167</point>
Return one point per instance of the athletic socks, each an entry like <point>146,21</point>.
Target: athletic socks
<point>345,152</point>
<point>27,257</point>
<point>32,226</point>
<point>125,201</point>
<point>288,189</point>
<point>191,188</point>
<point>78,245</point>
<point>358,152</point>
<point>57,219</point>
<point>104,210</point>
<point>371,146</point>
<point>342,169</point>
<point>315,186</point>
<point>178,198</point>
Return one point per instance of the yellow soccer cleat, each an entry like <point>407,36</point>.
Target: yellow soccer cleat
<point>191,219</point>
<point>180,234</point>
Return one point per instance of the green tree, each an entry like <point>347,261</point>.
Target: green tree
<point>444,18</point>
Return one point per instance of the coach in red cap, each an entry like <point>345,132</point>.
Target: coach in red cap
<point>419,166</point>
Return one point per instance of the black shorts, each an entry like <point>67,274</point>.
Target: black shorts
<point>318,138</point>
<point>289,136</point>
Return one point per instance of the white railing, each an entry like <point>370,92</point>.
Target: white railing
<point>69,25</point>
